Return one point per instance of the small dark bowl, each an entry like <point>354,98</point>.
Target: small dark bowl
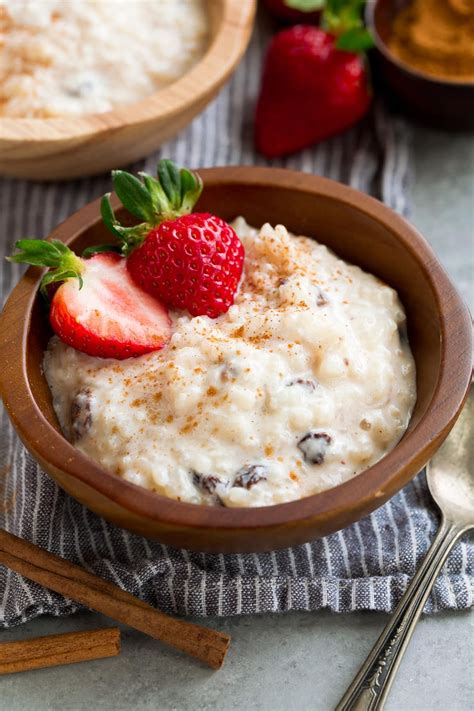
<point>441,103</point>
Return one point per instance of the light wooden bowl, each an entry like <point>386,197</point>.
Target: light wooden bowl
<point>60,148</point>
<point>361,230</point>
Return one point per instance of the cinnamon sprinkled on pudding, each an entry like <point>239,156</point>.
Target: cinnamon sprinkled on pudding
<point>301,385</point>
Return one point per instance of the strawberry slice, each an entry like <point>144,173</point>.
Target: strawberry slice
<point>98,309</point>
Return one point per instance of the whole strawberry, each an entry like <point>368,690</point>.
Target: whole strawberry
<point>313,86</point>
<point>188,260</point>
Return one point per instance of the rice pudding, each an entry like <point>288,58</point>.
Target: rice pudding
<point>70,57</point>
<point>306,381</point>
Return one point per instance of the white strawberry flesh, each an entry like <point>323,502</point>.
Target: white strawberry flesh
<point>109,316</point>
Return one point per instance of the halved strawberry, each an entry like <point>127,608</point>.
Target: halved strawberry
<point>98,309</point>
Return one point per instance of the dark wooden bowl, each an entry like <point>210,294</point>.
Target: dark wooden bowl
<point>441,103</point>
<point>359,229</point>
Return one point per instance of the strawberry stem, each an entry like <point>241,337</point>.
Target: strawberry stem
<point>173,193</point>
<point>357,39</point>
<point>343,19</point>
<point>62,261</point>
<point>305,5</point>
<point>129,237</point>
<point>170,181</point>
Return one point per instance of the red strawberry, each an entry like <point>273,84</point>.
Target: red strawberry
<point>311,89</point>
<point>189,261</point>
<point>295,10</point>
<point>98,309</point>
<point>193,263</point>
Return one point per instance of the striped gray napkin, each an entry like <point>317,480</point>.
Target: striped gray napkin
<point>364,567</point>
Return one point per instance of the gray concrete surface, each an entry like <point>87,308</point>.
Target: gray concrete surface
<point>443,202</point>
<point>297,661</point>
<point>294,661</point>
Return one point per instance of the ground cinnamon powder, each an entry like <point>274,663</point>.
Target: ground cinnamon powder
<point>436,37</point>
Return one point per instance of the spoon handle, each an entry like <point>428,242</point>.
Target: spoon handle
<point>370,687</point>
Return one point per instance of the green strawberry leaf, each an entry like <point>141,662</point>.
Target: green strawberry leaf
<point>348,8</point>
<point>108,216</point>
<point>129,237</point>
<point>168,175</point>
<point>59,275</point>
<point>191,189</point>
<point>39,253</point>
<point>343,18</point>
<point>99,249</point>
<point>305,5</point>
<point>358,39</point>
<point>133,194</point>
<point>63,262</point>
<point>157,194</point>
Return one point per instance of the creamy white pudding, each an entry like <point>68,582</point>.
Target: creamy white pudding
<point>305,382</point>
<point>70,57</point>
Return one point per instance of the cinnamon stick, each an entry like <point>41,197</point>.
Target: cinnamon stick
<point>58,649</point>
<point>74,582</point>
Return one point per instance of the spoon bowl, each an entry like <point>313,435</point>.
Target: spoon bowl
<point>451,471</point>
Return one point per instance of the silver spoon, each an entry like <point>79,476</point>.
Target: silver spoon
<point>450,477</point>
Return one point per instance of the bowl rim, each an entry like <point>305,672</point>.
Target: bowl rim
<point>383,48</point>
<point>215,66</point>
<point>353,497</point>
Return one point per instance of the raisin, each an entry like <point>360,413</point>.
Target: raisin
<point>207,483</point>
<point>81,414</point>
<point>250,475</point>
<point>306,384</point>
<point>314,446</point>
<point>81,89</point>
<point>322,299</point>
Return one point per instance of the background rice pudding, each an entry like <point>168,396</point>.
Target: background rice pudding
<point>67,57</point>
<point>303,383</point>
